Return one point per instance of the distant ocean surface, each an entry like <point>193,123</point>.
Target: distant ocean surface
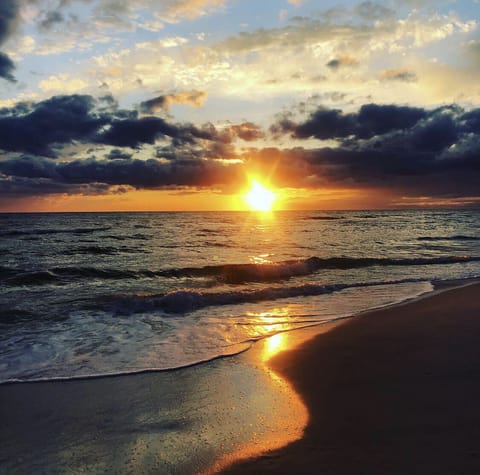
<point>92,294</point>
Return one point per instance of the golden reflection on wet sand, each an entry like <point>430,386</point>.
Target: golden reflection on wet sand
<point>288,417</point>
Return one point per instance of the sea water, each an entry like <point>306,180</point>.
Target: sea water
<point>92,294</point>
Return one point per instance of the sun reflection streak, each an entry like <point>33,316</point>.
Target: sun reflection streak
<point>273,345</point>
<point>287,413</point>
<point>266,323</point>
<point>261,259</point>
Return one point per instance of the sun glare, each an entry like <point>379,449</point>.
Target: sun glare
<point>260,198</point>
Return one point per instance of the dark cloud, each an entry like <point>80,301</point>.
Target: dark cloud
<point>153,105</point>
<point>471,121</point>
<point>50,19</point>
<point>117,154</point>
<point>16,187</point>
<point>336,63</point>
<point>333,64</point>
<point>133,132</point>
<point>6,68</point>
<point>410,150</point>
<point>58,120</point>
<point>8,20</point>
<point>159,103</point>
<point>45,127</point>
<point>370,120</point>
<point>140,174</point>
<point>376,119</point>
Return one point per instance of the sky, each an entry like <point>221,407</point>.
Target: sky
<point>180,104</point>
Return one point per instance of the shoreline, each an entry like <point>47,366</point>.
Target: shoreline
<point>124,411</point>
<point>393,390</point>
<point>177,422</point>
<point>318,327</point>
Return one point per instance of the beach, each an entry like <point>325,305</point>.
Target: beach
<point>393,391</point>
<point>390,391</point>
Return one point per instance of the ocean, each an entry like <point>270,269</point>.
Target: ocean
<point>94,294</point>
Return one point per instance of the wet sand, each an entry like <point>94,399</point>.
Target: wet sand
<point>168,422</point>
<point>394,391</point>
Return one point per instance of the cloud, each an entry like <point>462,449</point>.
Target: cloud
<point>247,131</point>
<point>343,34</point>
<point>45,127</point>
<point>118,154</point>
<point>373,11</point>
<point>29,174</point>
<point>40,126</point>
<point>399,74</point>
<point>8,18</point>
<point>341,61</point>
<point>80,25</point>
<point>370,120</point>
<point>125,14</point>
<point>6,68</point>
<point>50,19</point>
<point>63,83</point>
<point>8,22</point>
<point>189,98</point>
<point>338,50</point>
<point>411,150</point>
<point>175,10</point>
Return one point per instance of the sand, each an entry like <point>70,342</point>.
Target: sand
<point>168,422</point>
<point>395,391</point>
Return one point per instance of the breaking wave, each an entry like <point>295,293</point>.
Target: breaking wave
<point>188,300</point>
<point>226,273</point>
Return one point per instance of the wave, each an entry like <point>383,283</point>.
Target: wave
<point>102,250</point>
<point>226,273</point>
<point>58,274</point>
<point>187,300</point>
<point>236,349</point>
<point>243,273</point>
<point>459,237</point>
<point>37,232</point>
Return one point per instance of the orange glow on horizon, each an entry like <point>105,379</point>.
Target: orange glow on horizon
<point>295,199</point>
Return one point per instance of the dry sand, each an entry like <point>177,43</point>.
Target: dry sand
<point>395,391</point>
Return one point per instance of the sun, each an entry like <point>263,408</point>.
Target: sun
<point>260,198</point>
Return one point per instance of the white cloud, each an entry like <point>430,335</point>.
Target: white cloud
<point>23,97</point>
<point>23,46</point>
<point>176,10</point>
<point>247,65</point>
<point>168,42</point>
<point>62,83</point>
<point>290,61</point>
